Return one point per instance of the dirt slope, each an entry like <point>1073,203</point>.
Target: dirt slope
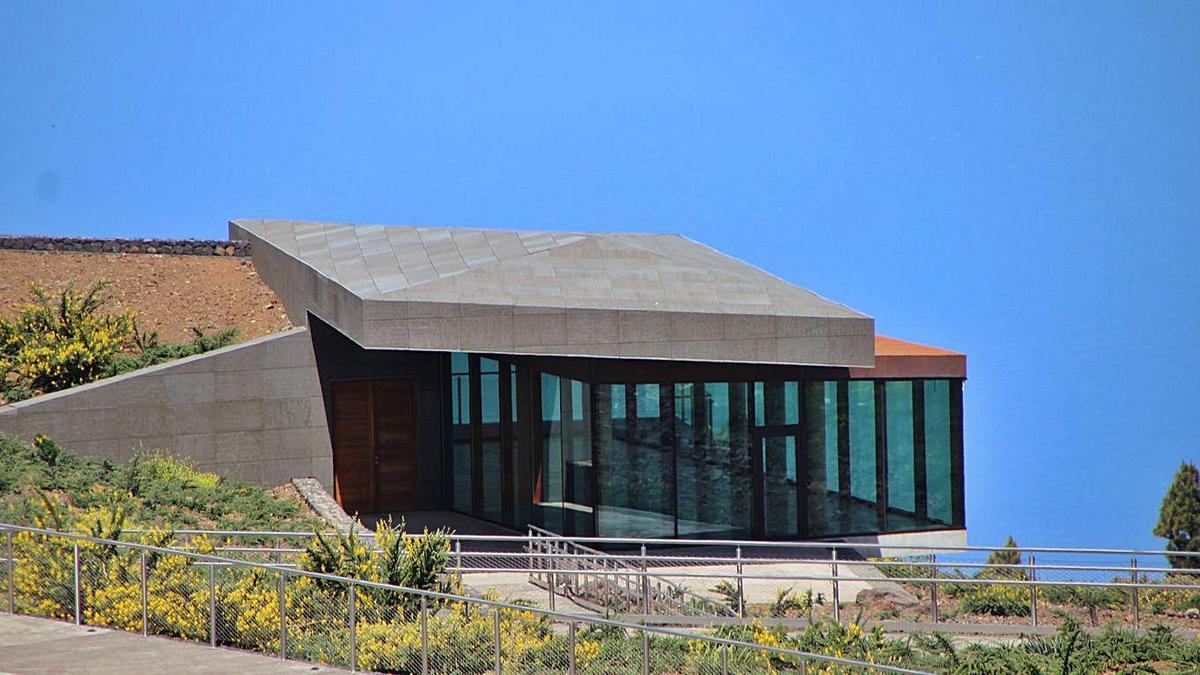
<point>169,293</point>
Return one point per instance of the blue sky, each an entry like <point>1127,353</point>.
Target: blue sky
<point>1018,181</point>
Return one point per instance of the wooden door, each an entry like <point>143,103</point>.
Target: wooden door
<point>395,413</point>
<point>353,454</point>
<point>375,445</point>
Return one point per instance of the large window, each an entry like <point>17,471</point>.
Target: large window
<point>776,459</point>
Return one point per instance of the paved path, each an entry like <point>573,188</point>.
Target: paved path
<point>29,645</point>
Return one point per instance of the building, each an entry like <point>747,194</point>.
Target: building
<point>587,383</point>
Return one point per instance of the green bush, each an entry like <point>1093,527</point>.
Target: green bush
<point>997,600</point>
<point>154,488</point>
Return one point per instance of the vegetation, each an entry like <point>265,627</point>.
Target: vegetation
<point>153,489</point>
<point>56,342</point>
<point>1179,516</point>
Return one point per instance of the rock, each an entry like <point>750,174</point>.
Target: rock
<point>1192,613</point>
<point>884,596</point>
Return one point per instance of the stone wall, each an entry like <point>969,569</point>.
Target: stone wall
<point>252,411</point>
<point>167,246</point>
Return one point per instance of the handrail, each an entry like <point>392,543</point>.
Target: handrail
<point>744,543</point>
<point>494,604</point>
<point>596,562</point>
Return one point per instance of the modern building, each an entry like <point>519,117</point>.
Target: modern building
<point>588,383</point>
<point>611,385</point>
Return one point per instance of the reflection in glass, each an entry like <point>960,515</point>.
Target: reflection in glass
<point>492,475</point>
<point>937,451</point>
<point>460,432</point>
<point>900,454</point>
<point>712,474</point>
<point>779,486</point>
<point>548,484</point>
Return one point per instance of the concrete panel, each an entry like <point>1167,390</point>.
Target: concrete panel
<point>252,411</point>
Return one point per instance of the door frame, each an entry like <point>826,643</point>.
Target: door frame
<point>758,476</point>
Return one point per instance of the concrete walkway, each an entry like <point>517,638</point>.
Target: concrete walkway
<point>29,645</point>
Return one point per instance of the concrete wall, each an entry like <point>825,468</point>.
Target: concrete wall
<point>252,411</point>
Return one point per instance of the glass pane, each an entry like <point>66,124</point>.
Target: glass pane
<point>779,486</point>
<point>522,514</point>
<point>901,489</point>
<point>548,490</point>
<point>937,451</point>
<point>492,474</point>
<point>863,494</point>
<point>862,440</point>
<point>827,509</point>
<point>636,483</point>
<point>713,476</point>
<point>577,459</point>
<point>460,432</point>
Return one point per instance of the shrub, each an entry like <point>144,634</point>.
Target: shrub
<point>56,342</point>
<point>997,600</point>
<point>59,342</point>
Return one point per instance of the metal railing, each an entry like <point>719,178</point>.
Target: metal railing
<point>608,582</point>
<point>345,622</point>
<point>934,577</point>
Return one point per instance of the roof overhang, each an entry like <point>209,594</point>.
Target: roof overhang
<point>548,293</point>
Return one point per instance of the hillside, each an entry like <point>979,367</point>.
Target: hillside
<point>169,293</point>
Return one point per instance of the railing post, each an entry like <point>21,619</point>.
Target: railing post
<point>741,588</point>
<point>933,587</point>
<point>424,635</point>
<point>144,603</point>
<point>645,585</point>
<point>496,636</point>
<point>78,617</point>
<point>837,591</point>
<point>12,606</point>
<point>282,615</point>
<point>1033,589</point>
<point>458,559</point>
<point>724,659</point>
<point>1136,603</point>
<point>352,612</point>
<point>212,604</point>
<point>571,648</point>
<point>645,652</point>
<point>551,578</point>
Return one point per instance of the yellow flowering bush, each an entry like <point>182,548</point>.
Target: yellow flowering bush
<point>60,341</point>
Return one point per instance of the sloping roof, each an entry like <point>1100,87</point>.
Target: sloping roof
<point>643,295</point>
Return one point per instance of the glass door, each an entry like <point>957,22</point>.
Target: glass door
<point>778,512</point>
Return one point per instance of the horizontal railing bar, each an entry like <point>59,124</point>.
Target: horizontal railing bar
<point>581,618</point>
<point>744,543</point>
<point>971,581</point>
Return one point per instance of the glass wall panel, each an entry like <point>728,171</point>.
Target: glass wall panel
<point>492,475</point>
<point>862,439</point>
<point>827,510</point>
<point>548,484</point>
<point>637,479</point>
<point>780,515</point>
<point>522,506</point>
<point>712,474</point>
<point>577,458</point>
<point>937,452</point>
<point>460,432</point>
<point>900,455</point>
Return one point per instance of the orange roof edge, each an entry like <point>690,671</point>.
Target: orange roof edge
<point>888,346</point>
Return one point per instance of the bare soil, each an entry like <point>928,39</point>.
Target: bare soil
<point>170,294</point>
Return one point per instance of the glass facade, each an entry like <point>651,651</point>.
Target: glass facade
<point>530,442</point>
